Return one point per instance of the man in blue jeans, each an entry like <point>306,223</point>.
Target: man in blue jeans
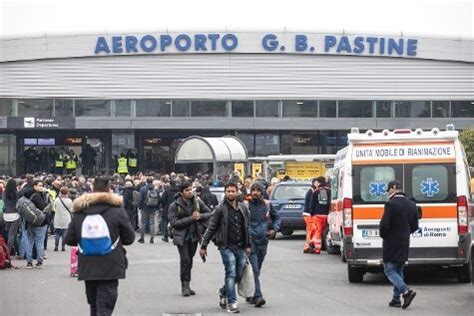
<point>399,221</point>
<point>264,223</point>
<point>36,234</point>
<point>230,226</point>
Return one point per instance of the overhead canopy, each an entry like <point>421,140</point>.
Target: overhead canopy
<point>197,149</point>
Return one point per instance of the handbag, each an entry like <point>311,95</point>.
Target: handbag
<point>246,285</point>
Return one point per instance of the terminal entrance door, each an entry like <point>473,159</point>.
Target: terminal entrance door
<point>37,152</point>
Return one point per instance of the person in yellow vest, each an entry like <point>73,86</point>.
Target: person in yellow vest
<point>132,162</point>
<point>122,165</point>
<point>59,162</point>
<point>71,162</point>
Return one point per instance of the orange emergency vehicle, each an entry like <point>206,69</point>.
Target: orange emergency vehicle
<point>432,167</point>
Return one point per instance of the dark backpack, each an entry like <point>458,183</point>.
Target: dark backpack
<point>28,210</point>
<point>152,198</point>
<point>5,260</point>
<point>323,196</point>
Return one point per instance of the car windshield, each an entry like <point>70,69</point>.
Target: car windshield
<point>290,192</point>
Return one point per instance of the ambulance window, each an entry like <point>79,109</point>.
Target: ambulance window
<point>374,182</point>
<point>334,184</point>
<point>430,183</point>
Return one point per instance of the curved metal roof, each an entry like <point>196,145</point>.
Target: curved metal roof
<point>197,149</point>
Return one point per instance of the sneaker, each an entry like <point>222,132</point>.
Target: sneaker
<point>233,308</point>
<point>45,257</point>
<point>55,249</point>
<point>317,251</point>
<point>152,241</point>
<point>29,265</point>
<point>165,239</point>
<point>222,300</point>
<point>408,298</point>
<point>141,240</point>
<point>63,249</point>
<point>259,302</point>
<point>250,300</point>
<point>395,303</point>
<point>39,265</point>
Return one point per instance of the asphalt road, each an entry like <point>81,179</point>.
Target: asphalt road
<point>293,284</point>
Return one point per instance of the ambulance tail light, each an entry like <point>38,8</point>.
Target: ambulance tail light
<point>347,216</point>
<point>463,220</point>
<point>402,131</point>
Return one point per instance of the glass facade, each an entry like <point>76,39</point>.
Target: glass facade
<point>91,108</point>
<point>355,108</point>
<point>462,108</point>
<point>236,108</point>
<point>35,108</point>
<point>383,108</point>
<point>412,109</point>
<point>327,108</point>
<point>242,109</point>
<point>208,108</point>
<point>300,108</point>
<point>267,108</point>
<point>153,108</point>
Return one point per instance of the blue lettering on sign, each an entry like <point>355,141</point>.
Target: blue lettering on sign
<point>430,187</point>
<point>211,42</point>
<point>270,42</point>
<point>377,188</point>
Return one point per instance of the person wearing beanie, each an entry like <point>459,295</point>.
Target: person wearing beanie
<point>264,224</point>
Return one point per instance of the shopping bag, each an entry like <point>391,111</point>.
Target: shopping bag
<point>74,260</point>
<point>246,285</point>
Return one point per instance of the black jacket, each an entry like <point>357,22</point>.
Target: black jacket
<point>209,198</point>
<point>113,265</point>
<point>218,224</point>
<point>128,198</point>
<point>399,221</point>
<point>40,200</point>
<point>167,198</point>
<point>181,219</point>
<point>315,207</point>
<point>10,205</point>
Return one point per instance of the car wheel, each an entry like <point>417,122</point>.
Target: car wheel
<point>332,250</point>
<point>355,275</point>
<point>287,233</point>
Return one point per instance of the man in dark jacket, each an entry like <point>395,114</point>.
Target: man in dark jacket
<point>88,160</point>
<point>399,221</point>
<point>148,203</point>
<point>166,199</point>
<point>264,224</point>
<point>308,218</point>
<point>229,225</point>
<point>102,272</point>
<point>209,198</point>
<point>319,206</point>
<point>128,203</point>
<point>188,216</point>
<point>36,234</point>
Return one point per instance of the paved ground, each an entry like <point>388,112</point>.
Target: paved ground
<point>293,284</point>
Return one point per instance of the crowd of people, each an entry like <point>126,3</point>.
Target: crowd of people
<point>171,204</point>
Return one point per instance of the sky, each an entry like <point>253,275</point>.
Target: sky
<point>424,18</point>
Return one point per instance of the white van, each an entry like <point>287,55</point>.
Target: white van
<point>432,167</point>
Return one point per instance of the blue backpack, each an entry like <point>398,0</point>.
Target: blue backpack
<point>95,237</point>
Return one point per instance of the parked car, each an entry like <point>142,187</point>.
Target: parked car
<point>288,200</point>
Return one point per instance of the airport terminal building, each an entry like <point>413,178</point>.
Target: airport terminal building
<point>280,93</point>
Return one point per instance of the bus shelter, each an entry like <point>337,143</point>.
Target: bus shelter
<point>221,152</point>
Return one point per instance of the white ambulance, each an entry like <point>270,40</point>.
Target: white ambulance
<point>432,167</point>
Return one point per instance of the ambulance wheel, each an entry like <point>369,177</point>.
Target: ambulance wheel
<point>341,249</point>
<point>287,233</point>
<point>465,273</point>
<point>332,250</point>
<point>356,275</point>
